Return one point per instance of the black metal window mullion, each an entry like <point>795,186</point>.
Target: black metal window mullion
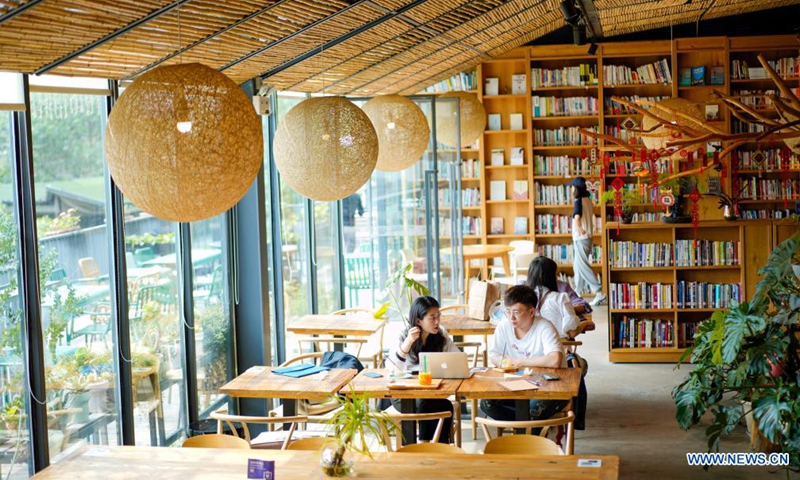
<point>311,251</point>
<point>120,331</point>
<point>276,240</point>
<point>186,313</point>
<point>28,285</point>
<point>338,249</point>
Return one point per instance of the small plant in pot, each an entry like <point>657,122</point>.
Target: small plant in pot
<point>630,197</point>
<point>352,424</point>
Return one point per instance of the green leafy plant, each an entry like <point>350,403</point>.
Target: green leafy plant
<point>67,220</point>
<point>400,287</point>
<point>352,424</point>
<point>150,239</point>
<point>749,353</point>
<point>630,196</point>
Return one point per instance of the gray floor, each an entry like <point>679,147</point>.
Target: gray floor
<point>631,414</point>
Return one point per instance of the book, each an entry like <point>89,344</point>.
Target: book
<point>497,190</point>
<point>498,157</point>
<point>491,86</point>
<point>516,121</point>
<point>518,84</point>
<point>520,190</point>
<point>520,225</point>
<point>717,75</point>
<point>494,122</point>
<point>517,156</point>
<point>684,77</point>
<point>714,186</point>
<point>496,226</point>
<point>712,112</point>
<point>699,75</point>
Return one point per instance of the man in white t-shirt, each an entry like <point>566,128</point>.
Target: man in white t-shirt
<point>526,340</point>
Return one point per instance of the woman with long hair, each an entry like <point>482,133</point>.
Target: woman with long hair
<point>582,234</point>
<point>554,305</point>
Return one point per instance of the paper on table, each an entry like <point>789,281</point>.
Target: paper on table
<point>518,385</point>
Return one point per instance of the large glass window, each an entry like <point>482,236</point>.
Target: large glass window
<point>67,143</point>
<point>211,311</point>
<point>12,393</point>
<point>325,258</point>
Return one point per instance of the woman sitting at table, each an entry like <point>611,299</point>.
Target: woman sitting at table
<point>422,333</point>
<point>553,304</point>
<point>524,339</point>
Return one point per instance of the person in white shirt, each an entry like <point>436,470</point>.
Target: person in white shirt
<point>554,305</point>
<point>422,333</point>
<point>524,339</point>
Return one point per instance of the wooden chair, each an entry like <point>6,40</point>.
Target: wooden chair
<point>463,309</point>
<point>316,412</point>
<point>398,417</point>
<point>90,270</point>
<point>315,443</point>
<point>215,440</point>
<point>366,349</point>
<point>222,416</point>
<point>522,445</point>
<point>565,418</point>
<point>431,448</point>
<point>373,347</point>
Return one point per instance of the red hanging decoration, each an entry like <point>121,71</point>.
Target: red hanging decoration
<point>695,212</point>
<point>618,184</point>
<point>606,164</point>
<point>583,153</point>
<point>785,155</point>
<point>654,178</point>
<point>701,155</point>
<point>723,174</point>
<point>735,181</point>
<point>592,161</point>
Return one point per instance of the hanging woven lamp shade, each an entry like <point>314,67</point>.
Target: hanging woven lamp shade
<point>326,148</point>
<point>402,131</point>
<point>473,120</point>
<point>184,142</point>
<point>658,138</point>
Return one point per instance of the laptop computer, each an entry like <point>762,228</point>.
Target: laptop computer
<point>446,364</point>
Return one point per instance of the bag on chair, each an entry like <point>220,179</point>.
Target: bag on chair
<point>482,295</point>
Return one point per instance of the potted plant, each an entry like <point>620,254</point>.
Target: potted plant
<point>400,289</point>
<point>749,353</point>
<point>352,424</point>
<point>630,197</point>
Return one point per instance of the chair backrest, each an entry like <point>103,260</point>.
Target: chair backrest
<point>58,275</point>
<point>89,267</point>
<point>522,445</point>
<point>222,416</point>
<point>522,255</point>
<point>215,440</point>
<point>357,272</point>
<point>430,448</point>
<point>352,311</point>
<point>564,418</point>
<point>313,443</point>
<point>317,356</point>
<point>455,309</point>
<point>142,255</point>
<point>397,418</point>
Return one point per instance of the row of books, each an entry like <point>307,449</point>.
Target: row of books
<point>770,189</point>
<point>497,227</point>
<point>765,214</point>
<point>641,295</point>
<point>469,226</point>
<point>564,107</point>
<point>686,332</point>
<point>788,67</point>
<point>562,253</point>
<point>460,82</point>
<point>756,99</point>
<point>497,190</point>
<point>628,254</point>
<point>741,127</point>
<point>770,160</point>
<point>707,295</point>
<point>471,168</point>
<point>703,253</point>
<point>640,217</point>
<point>631,332</point>
<point>664,165</point>
<point>498,157</point>
<point>581,75</point>
<point>623,134</point>
<point>563,165</point>
<point>550,223</point>
<point>470,197</point>
<point>656,72</point>
<point>563,136</point>
<point>697,75</point>
<point>552,194</point>
<point>614,108</point>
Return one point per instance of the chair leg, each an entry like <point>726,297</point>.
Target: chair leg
<point>474,407</point>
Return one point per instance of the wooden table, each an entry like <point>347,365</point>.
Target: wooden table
<point>117,463</point>
<point>260,382</point>
<point>459,325</point>
<point>337,325</point>
<point>377,388</point>
<point>483,252</point>
<point>486,386</point>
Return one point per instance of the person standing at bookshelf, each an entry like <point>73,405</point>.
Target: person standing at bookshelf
<point>582,234</point>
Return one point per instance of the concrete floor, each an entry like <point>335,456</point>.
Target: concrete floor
<point>631,414</point>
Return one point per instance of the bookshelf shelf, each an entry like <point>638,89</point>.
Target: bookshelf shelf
<point>494,202</point>
<point>470,179</point>
<point>501,132</point>
<point>561,147</point>
<point>503,96</point>
<point>565,177</point>
<point>640,269</point>
<point>699,87</point>
<point>709,267</point>
<point>565,118</point>
<point>559,235</point>
<point>623,115</point>
<point>506,167</point>
<point>632,86</point>
<point>566,87</point>
<point>635,310</point>
<point>508,235</point>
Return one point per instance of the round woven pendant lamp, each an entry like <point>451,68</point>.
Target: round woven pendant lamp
<point>473,120</point>
<point>402,130</point>
<point>325,148</point>
<point>658,138</point>
<point>183,142</point>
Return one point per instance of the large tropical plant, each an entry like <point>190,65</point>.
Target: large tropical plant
<point>400,289</point>
<point>749,353</point>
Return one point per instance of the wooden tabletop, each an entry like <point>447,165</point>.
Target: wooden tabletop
<point>352,325</point>
<point>377,387</point>
<point>463,325</point>
<point>481,251</point>
<point>260,382</point>
<point>486,385</point>
<point>116,463</point>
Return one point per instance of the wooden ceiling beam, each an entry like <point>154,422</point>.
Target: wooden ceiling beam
<point>21,9</point>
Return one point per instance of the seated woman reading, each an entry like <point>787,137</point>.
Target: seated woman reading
<point>422,333</point>
<point>553,304</point>
<point>524,339</point>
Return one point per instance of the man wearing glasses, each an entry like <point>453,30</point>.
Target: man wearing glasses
<point>524,339</point>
